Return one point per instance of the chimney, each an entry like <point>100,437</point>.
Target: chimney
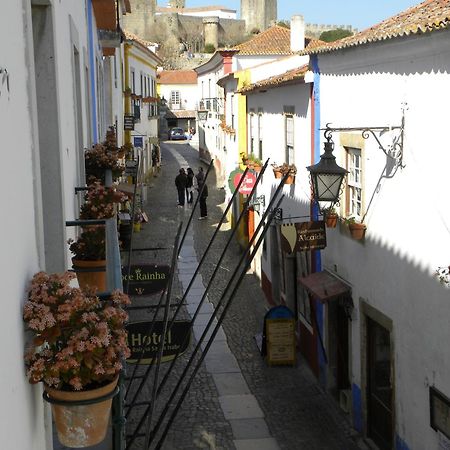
<point>297,33</point>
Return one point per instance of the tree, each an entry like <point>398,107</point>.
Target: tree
<point>334,35</point>
<point>284,23</point>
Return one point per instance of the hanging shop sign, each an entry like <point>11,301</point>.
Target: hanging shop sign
<point>144,346</point>
<point>246,186</point>
<point>302,236</point>
<point>145,279</point>
<point>131,166</point>
<point>128,122</point>
<point>138,141</point>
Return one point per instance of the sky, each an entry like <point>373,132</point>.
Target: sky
<point>360,14</point>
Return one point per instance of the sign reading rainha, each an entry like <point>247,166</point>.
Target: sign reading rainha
<point>144,341</point>
<point>145,279</point>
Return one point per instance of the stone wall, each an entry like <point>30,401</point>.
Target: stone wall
<point>258,14</point>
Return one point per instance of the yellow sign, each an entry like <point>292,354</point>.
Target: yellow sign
<point>281,347</point>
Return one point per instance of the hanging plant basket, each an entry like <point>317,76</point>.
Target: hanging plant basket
<point>94,278</point>
<point>81,417</point>
<point>331,220</point>
<point>357,230</point>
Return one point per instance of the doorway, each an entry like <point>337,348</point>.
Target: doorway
<point>379,385</point>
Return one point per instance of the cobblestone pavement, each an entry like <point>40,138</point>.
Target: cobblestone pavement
<point>295,412</point>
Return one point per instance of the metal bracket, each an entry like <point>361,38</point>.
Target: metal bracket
<point>257,202</point>
<point>278,216</point>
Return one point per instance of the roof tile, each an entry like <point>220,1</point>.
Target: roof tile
<point>425,17</point>
<point>177,77</point>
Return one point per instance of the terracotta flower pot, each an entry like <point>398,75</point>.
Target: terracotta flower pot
<point>93,279</point>
<point>357,230</point>
<point>331,220</point>
<point>290,179</point>
<point>80,426</point>
<point>277,174</point>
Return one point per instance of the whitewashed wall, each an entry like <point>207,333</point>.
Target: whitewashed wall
<point>24,418</point>
<point>188,94</point>
<point>241,62</point>
<point>409,220</point>
<point>277,67</point>
<point>296,200</point>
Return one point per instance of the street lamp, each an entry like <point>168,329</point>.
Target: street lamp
<point>202,114</point>
<point>326,175</point>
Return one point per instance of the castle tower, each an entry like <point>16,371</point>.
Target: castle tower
<point>142,18</point>
<point>258,14</point>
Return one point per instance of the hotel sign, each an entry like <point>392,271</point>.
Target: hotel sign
<point>145,279</point>
<point>144,345</point>
<point>303,236</point>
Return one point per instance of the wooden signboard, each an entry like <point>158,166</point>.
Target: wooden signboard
<point>144,346</point>
<point>128,122</point>
<point>280,334</point>
<point>303,236</point>
<point>145,279</point>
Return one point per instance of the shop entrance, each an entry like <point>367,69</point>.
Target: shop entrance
<point>379,386</point>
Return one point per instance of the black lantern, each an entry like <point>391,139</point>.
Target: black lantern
<point>202,114</point>
<point>326,175</point>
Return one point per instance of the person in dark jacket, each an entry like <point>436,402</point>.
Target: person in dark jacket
<point>180,183</point>
<point>189,185</point>
<point>203,192</point>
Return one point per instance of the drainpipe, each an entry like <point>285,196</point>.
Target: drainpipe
<point>127,99</point>
<point>92,71</point>
<point>316,256</point>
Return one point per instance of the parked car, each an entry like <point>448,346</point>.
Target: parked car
<point>177,134</point>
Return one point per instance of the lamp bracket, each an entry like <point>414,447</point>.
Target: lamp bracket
<point>393,150</point>
<point>257,202</point>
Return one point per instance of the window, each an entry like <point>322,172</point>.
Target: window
<point>252,131</point>
<point>142,84</point>
<point>354,189</point>
<point>133,82</point>
<point>175,99</point>
<point>303,300</point>
<point>289,155</point>
<point>232,111</point>
<point>260,134</point>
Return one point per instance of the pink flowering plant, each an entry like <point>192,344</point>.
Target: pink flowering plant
<point>101,157</point>
<point>79,340</point>
<point>100,202</point>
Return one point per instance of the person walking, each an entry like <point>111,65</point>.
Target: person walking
<point>202,188</point>
<point>189,185</point>
<point>180,183</point>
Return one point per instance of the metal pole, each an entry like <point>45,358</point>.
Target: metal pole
<point>215,331</point>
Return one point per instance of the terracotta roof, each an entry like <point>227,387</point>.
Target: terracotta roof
<point>290,77</point>
<point>275,40</point>
<point>184,113</point>
<point>425,17</point>
<point>132,37</point>
<point>177,77</point>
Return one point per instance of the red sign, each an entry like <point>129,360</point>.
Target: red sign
<point>248,183</point>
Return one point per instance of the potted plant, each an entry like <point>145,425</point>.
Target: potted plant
<point>100,158</point>
<point>79,342</point>
<point>357,229</point>
<point>331,217</point>
<point>252,162</point>
<point>283,169</point>
<point>89,248</point>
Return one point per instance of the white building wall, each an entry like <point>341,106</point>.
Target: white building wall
<point>271,103</point>
<point>25,417</point>
<point>241,62</point>
<point>277,67</point>
<point>188,94</point>
<point>408,222</point>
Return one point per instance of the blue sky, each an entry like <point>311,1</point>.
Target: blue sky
<point>358,13</point>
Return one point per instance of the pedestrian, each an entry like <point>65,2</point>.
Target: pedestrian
<point>190,185</point>
<point>180,183</point>
<point>202,188</point>
<point>200,176</point>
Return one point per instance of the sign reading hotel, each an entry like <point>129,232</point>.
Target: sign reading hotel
<point>303,236</point>
<point>144,345</point>
<point>246,186</point>
<point>145,279</point>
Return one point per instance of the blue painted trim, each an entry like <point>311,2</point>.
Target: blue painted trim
<point>357,408</point>
<point>92,70</point>
<point>315,212</point>
<point>400,444</point>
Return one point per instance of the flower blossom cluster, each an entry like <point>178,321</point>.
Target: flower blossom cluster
<point>100,201</point>
<point>79,340</point>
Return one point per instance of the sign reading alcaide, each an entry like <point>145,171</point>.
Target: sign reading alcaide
<point>144,340</point>
<point>145,279</point>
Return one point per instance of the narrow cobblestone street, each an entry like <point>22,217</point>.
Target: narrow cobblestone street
<point>236,401</point>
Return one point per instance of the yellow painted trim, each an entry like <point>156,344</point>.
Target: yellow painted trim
<point>143,61</point>
<point>127,100</point>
